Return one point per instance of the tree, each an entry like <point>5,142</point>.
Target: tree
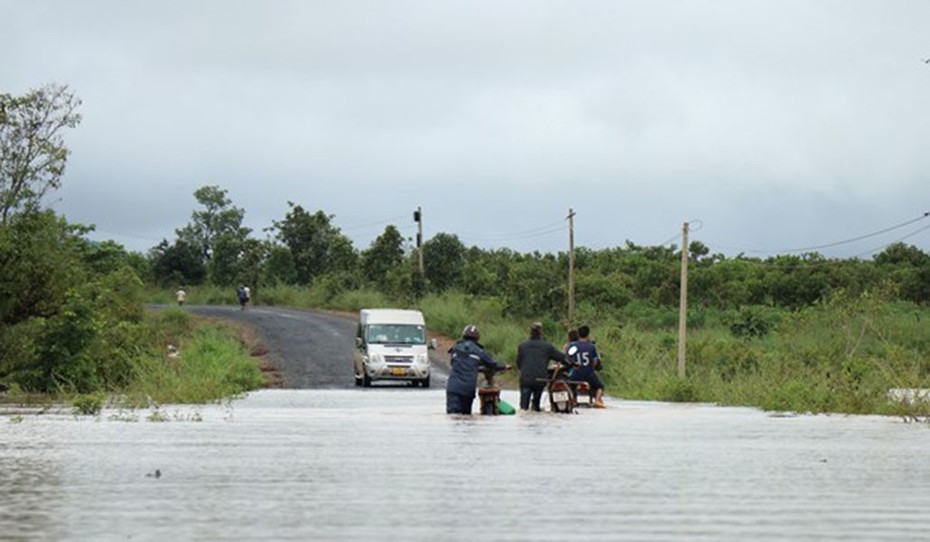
<point>279,266</point>
<point>317,247</point>
<point>219,218</point>
<point>218,232</point>
<point>40,260</point>
<point>443,257</point>
<point>902,254</point>
<point>106,257</point>
<point>697,250</point>
<point>385,253</point>
<point>176,264</point>
<point>252,258</point>
<point>32,149</point>
<point>536,287</point>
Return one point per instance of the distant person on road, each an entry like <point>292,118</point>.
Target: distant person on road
<point>467,356</point>
<point>533,357</point>
<point>243,295</point>
<point>181,296</point>
<point>583,355</point>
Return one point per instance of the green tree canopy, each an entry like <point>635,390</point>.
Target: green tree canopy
<point>901,253</point>
<point>32,149</point>
<point>316,245</point>
<point>385,253</point>
<point>217,230</point>
<point>177,263</point>
<point>219,218</point>
<point>443,257</point>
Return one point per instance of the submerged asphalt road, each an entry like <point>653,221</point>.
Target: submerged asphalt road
<point>309,349</point>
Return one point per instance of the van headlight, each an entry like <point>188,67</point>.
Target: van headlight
<point>423,359</point>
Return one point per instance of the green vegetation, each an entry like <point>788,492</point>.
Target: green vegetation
<point>210,363</point>
<point>72,322</point>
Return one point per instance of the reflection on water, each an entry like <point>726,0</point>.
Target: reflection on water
<point>389,464</point>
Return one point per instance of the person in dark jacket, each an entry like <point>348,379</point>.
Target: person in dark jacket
<point>467,356</point>
<point>533,357</point>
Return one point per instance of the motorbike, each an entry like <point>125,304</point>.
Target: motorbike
<point>584,395</point>
<point>489,395</point>
<point>560,390</point>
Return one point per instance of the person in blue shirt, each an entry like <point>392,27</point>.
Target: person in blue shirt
<point>467,356</point>
<point>583,355</point>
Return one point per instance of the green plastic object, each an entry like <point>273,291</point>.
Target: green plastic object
<point>504,407</point>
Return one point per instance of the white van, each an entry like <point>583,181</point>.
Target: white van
<point>391,344</point>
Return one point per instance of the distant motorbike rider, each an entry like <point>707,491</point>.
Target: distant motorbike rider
<point>467,356</point>
<point>583,355</point>
<point>533,357</point>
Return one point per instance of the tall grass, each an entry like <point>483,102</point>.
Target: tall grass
<point>211,364</point>
<point>841,356</point>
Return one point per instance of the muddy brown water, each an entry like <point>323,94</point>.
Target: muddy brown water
<point>388,464</point>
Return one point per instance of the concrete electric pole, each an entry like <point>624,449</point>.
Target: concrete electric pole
<point>683,305</point>
<point>571,268</point>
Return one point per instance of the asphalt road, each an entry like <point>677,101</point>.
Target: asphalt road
<point>309,349</point>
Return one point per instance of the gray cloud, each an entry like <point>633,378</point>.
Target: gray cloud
<point>778,124</point>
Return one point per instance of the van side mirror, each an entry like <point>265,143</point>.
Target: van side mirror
<point>433,345</point>
<point>358,342</point>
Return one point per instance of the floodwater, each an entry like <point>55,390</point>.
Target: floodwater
<point>388,464</point>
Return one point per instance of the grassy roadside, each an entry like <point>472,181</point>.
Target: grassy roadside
<point>188,360</point>
<point>840,356</point>
<point>208,361</point>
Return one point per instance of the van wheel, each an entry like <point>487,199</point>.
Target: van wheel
<point>425,382</point>
<point>358,380</point>
<point>366,380</point>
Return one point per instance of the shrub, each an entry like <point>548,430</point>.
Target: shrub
<point>679,390</point>
<point>749,323</point>
<point>88,405</point>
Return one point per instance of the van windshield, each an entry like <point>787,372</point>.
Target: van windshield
<point>395,334</point>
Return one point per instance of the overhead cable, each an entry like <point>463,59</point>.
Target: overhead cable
<point>524,234</point>
<point>839,243</point>
<point>373,224</point>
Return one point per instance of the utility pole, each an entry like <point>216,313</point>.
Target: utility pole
<point>683,305</point>
<point>418,218</point>
<point>571,267</point>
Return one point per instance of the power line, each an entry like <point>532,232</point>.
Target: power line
<point>125,234</point>
<point>808,264</point>
<point>524,234</point>
<point>836,243</point>
<point>670,240</point>
<point>898,240</point>
<point>373,224</point>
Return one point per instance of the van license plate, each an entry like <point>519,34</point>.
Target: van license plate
<point>560,397</point>
<point>399,371</point>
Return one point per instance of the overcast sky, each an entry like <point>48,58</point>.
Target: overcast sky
<point>770,125</point>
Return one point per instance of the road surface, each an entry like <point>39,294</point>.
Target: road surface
<point>309,349</point>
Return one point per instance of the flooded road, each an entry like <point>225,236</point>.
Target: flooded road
<point>388,464</point>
